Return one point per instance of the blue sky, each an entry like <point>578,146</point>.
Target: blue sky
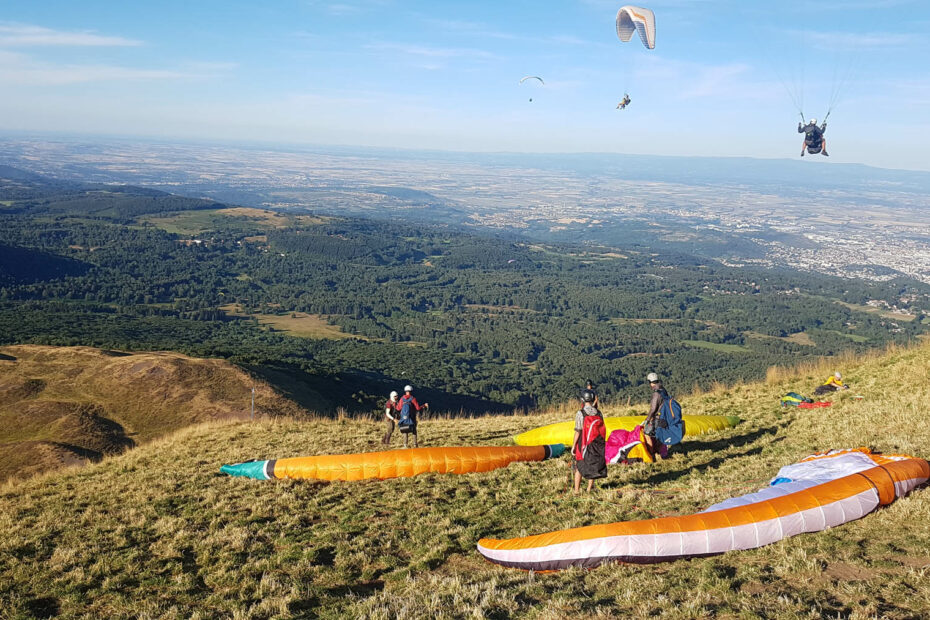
<point>444,75</point>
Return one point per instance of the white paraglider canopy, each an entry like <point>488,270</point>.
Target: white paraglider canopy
<point>632,19</point>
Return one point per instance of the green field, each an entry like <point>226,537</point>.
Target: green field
<point>714,346</point>
<point>233,218</point>
<point>298,324</point>
<point>156,533</point>
<point>895,316</point>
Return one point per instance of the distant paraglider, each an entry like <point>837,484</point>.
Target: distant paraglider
<point>532,77</point>
<point>632,19</point>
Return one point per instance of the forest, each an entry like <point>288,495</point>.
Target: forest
<point>475,322</point>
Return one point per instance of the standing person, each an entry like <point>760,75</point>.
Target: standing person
<point>589,385</point>
<point>659,396</point>
<point>408,408</point>
<point>589,443</point>
<point>389,408</point>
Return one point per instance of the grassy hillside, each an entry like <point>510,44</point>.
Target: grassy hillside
<point>156,533</point>
<point>65,405</point>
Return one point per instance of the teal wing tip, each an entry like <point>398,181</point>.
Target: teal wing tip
<point>251,469</point>
<point>556,450</point>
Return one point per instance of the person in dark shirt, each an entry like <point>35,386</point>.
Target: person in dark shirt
<point>814,140</point>
<point>659,396</point>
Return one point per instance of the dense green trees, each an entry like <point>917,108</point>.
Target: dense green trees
<point>480,319</point>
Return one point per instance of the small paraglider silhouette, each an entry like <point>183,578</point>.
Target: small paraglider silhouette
<point>532,77</point>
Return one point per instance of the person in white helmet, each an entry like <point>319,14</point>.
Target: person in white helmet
<point>389,408</point>
<point>814,141</point>
<point>407,409</point>
<point>659,396</point>
<point>834,383</point>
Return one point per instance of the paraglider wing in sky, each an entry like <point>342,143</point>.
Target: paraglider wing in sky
<point>632,19</point>
<point>532,77</point>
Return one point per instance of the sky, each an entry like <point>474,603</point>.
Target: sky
<point>440,74</point>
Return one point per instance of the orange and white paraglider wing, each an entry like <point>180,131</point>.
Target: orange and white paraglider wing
<point>393,463</point>
<point>632,19</point>
<point>809,496</point>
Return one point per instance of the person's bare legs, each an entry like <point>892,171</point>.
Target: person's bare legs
<point>590,485</point>
<point>577,487</point>
<point>824,147</point>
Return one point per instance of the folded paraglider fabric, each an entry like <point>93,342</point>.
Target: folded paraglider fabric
<point>821,491</point>
<point>394,463</point>
<point>564,432</point>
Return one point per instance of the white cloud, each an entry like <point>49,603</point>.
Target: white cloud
<point>25,35</point>
<point>694,80</point>
<point>348,7</point>
<point>23,70</point>
<point>852,41</point>
<point>423,51</point>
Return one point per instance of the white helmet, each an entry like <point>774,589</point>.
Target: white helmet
<point>408,388</point>
<point>652,377</point>
<point>813,121</point>
<point>393,395</point>
<point>837,375</point>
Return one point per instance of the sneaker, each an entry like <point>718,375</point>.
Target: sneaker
<point>802,153</point>
<point>825,154</point>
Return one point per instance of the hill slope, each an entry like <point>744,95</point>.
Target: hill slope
<point>156,533</point>
<point>62,405</point>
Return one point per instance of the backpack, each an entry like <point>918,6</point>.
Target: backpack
<point>673,429</point>
<point>405,405</point>
<point>592,428</point>
<point>590,458</point>
<point>794,399</point>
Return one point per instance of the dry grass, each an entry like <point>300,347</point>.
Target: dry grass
<point>304,325</point>
<point>85,402</point>
<point>154,533</point>
<point>299,324</point>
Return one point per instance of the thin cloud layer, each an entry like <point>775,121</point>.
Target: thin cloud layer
<point>27,35</point>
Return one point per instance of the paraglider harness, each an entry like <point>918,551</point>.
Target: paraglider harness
<point>407,422</point>
<point>667,425</point>
<point>590,447</point>
<point>813,139</point>
<point>794,399</point>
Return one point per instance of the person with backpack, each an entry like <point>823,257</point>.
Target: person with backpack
<point>389,408</point>
<point>659,396</point>
<point>408,408</point>
<point>588,447</point>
